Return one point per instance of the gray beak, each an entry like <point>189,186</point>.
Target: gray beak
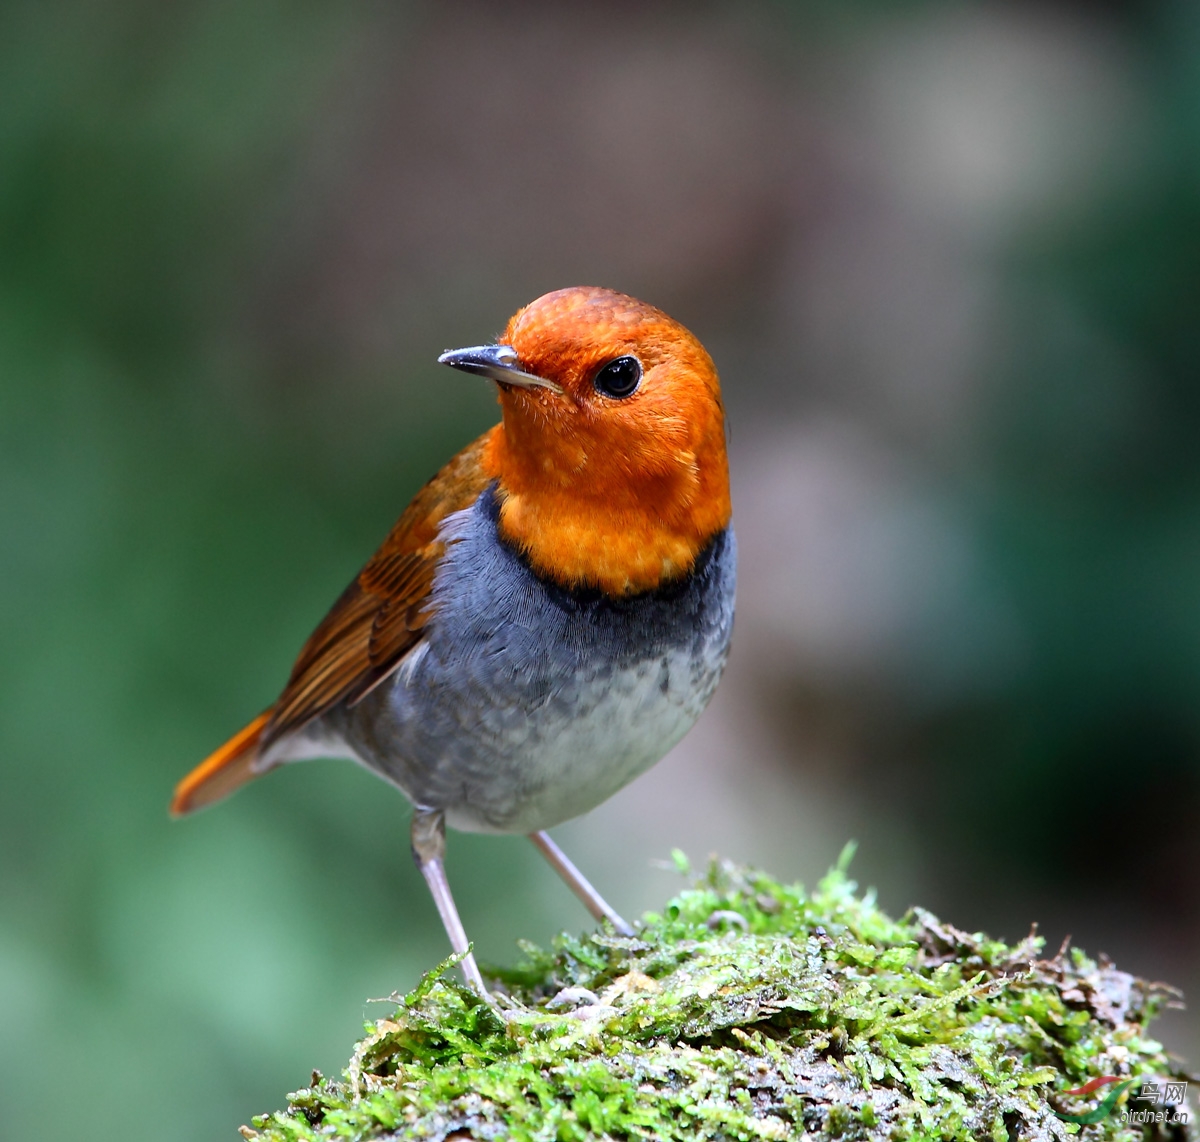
<point>499,362</point>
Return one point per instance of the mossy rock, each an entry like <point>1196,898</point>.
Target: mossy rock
<point>754,1010</point>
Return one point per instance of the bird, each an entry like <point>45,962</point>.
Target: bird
<point>550,614</point>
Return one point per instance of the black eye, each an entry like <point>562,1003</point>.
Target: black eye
<point>619,378</point>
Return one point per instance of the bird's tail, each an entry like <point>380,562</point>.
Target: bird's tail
<point>222,771</point>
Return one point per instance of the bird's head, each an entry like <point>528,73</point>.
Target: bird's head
<point>610,457</point>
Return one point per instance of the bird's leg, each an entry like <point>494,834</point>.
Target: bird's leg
<point>429,848</point>
<point>578,883</point>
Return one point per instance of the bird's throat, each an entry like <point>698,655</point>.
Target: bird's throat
<point>604,526</point>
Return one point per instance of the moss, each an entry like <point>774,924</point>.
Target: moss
<point>748,1009</point>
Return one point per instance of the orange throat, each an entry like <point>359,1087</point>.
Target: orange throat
<point>583,516</point>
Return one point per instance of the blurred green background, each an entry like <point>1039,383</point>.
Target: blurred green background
<point>947,257</point>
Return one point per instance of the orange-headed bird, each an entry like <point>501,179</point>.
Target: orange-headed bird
<point>552,611</point>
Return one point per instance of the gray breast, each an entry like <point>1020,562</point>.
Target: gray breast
<point>527,704</point>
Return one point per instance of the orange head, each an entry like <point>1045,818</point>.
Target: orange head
<point>610,457</point>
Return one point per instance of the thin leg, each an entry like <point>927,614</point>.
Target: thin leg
<point>578,883</point>
<point>429,847</point>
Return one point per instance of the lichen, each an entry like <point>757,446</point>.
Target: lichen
<point>751,1010</point>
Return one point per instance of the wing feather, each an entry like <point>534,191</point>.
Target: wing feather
<point>380,617</point>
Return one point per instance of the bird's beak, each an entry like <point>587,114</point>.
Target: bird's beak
<point>500,362</point>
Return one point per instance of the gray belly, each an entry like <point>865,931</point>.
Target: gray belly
<point>526,705</point>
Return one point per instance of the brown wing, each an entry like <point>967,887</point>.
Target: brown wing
<point>381,615</point>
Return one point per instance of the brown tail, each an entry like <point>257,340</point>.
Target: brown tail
<point>221,772</point>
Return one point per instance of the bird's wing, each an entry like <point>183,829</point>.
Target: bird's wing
<point>378,619</point>
<point>382,614</point>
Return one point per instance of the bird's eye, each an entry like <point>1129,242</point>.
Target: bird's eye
<point>619,378</point>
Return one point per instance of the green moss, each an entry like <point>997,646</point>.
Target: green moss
<point>751,1010</point>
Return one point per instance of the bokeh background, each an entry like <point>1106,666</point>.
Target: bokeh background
<point>947,257</point>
